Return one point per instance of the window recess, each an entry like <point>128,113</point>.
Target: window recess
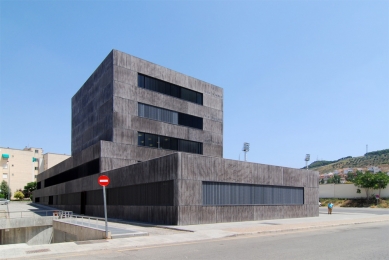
<point>170,89</point>
<point>169,143</point>
<point>168,116</point>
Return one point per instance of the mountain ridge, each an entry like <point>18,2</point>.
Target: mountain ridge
<point>378,158</point>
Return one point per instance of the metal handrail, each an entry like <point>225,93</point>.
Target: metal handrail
<point>92,222</point>
<point>38,213</point>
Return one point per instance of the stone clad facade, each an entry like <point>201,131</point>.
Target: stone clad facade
<point>185,206</point>
<point>106,107</point>
<point>154,184</point>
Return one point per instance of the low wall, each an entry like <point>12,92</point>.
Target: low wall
<point>33,231</point>
<point>193,215</point>
<point>347,191</point>
<point>7,223</point>
<point>68,232</point>
<point>38,235</point>
<point>45,230</point>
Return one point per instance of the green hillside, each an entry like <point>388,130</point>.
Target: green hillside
<point>377,158</point>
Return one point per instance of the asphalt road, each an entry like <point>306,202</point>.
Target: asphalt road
<point>364,241</point>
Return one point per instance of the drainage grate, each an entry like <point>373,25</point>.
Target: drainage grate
<point>37,251</point>
<point>270,223</point>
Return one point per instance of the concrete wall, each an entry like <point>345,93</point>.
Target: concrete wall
<point>37,235</point>
<point>67,232</point>
<point>348,191</point>
<point>7,223</point>
<point>39,231</point>
<point>33,231</point>
<point>45,230</point>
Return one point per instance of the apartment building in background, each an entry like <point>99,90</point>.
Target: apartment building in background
<point>21,166</point>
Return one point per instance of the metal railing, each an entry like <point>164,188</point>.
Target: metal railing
<point>36,213</point>
<point>92,222</point>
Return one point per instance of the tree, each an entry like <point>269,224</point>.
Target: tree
<point>382,180</point>
<point>5,191</point>
<point>351,176</point>
<point>365,181</point>
<point>29,188</point>
<point>336,179</point>
<point>19,195</point>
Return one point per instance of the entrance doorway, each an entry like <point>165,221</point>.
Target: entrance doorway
<point>83,202</point>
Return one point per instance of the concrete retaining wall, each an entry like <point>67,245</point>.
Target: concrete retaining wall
<point>26,222</point>
<point>31,235</point>
<point>33,231</point>
<point>67,232</point>
<point>347,191</point>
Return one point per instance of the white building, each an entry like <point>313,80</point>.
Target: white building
<point>373,169</point>
<point>20,167</point>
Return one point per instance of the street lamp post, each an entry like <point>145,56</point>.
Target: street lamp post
<point>307,158</point>
<point>246,148</point>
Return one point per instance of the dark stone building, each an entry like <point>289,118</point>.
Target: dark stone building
<point>158,135</point>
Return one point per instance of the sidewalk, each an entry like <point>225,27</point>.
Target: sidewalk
<point>165,235</point>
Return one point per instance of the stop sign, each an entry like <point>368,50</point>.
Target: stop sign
<point>103,180</point>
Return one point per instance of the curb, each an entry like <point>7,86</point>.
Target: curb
<point>306,228</point>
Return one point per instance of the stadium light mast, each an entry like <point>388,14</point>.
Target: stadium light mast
<point>246,148</point>
<point>307,158</point>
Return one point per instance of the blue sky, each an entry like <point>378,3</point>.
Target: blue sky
<point>298,76</point>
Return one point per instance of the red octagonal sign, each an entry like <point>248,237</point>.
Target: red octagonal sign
<point>103,180</point>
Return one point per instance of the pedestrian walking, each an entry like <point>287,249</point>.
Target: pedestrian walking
<point>330,206</point>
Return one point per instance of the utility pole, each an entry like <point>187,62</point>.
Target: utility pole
<point>9,180</point>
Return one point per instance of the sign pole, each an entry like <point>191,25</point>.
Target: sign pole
<point>105,213</point>
<point>104,181</point>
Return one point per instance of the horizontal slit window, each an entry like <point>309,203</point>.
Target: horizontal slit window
<point>83,170</point>
<point>170,89</point>
<point>219,193</point>
<point>169,143</point>
<point>168,116</point>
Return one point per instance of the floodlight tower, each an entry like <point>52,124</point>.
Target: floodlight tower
<point>246,148</point>
<point>307,158</point>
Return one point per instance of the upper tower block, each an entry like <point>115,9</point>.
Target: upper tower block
<point>130,101</point>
